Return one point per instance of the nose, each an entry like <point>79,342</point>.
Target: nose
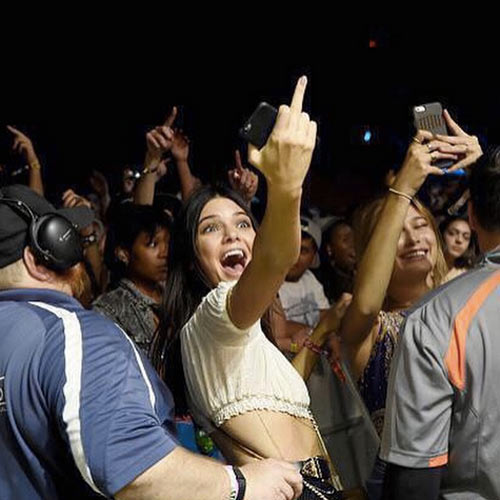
<point>231,234</point>
<point>412,237</point>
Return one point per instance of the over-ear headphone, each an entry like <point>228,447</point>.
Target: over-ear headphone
<point>53,239</point>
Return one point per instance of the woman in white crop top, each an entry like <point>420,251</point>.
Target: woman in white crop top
<point>223,277</point>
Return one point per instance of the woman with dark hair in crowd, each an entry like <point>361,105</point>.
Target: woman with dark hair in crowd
<point>223,276</point>
<point>136,255</point>
<point>460,247</point>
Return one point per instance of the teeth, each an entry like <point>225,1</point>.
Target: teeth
<point>416,253</point>
<point>235,251</point>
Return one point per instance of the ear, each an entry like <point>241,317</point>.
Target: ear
<point>35,270</point>
<point>471,216</point>
<point>123,255</point>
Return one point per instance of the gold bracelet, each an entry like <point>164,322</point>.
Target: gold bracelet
<point>294,347</point>
<point>148,170</point>
<point>35,165</point>
<point>400,193</point>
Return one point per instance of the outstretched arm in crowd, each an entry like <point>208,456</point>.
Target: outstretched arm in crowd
<point>24,146</point>
<point>377,262</point>
<point>159,141</point>
<point>182,474</point>
<point>284,162</point>
<point>242,179</point>
<point>329,325</point>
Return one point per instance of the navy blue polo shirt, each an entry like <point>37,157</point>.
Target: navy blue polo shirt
<point>82,412</point>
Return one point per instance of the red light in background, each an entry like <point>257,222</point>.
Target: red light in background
<point>372,44</point>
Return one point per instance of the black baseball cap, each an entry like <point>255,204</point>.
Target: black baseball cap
<point>14,224</point>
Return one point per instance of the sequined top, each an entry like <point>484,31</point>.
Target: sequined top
<point>133,311</point>
<point>373,381</point>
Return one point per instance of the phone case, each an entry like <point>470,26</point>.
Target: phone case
<point>430,117</point>
<point>259,126</point>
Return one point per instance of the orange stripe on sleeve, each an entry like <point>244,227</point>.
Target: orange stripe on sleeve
<point>455,356</point>
<point>439,461</point>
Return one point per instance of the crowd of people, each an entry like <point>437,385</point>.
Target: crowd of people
<point>159,345</point>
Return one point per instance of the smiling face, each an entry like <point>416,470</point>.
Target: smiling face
<point>457,238</point>
<point>417,247</point>
<point>224,240</point>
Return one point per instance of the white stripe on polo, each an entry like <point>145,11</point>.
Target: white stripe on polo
<point>73,355</point>
<point>152,396</point>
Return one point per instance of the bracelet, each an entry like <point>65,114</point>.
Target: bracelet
<point>313,347</point>
<point>242,483</point>
<point>35,165</point>
<point>294,347</point>
<point>235,489</point>
<point>400,193</point>
<point>148,170</point>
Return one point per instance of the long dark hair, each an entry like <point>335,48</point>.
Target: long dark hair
<point>471,256</point>
<point>186,287</point>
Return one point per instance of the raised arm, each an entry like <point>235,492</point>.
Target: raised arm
<point>377,262</point>
<point>158,141</point>
<point>284,162</point>
<point>23,145</point>
<point>330,323</point>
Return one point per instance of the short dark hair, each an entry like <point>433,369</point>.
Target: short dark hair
<point>128,222</point>
<point>484,185</point>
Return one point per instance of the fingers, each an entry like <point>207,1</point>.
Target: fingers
<point>237,159</point>
<point>281,121</point>
<point>446,147</point>
<point>171,117</point>
<point>452,125</point>
<point>453,139</point>
<point>254,156</point>
<point>437,155</point>
<point>422,135</point>
<point>294,480</point>
<point>14,130</point>
<point>311,134</point>
<point>298,95</point>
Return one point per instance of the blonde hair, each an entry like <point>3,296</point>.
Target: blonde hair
<point>365,218</point>
<point>13,275</point>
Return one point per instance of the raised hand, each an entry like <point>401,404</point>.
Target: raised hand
<point>23,145</point>
<point>467,146</point>
<point>286,157</point>
<point>70,199</point>
<point>418,163</point>
<point>242,179</point>
<point>159,140</point>
<point>180,146</point>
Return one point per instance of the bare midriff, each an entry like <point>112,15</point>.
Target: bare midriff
<point>267,434</point>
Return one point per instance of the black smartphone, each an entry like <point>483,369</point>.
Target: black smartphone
<point>430,117</point>
<point>259,126</point>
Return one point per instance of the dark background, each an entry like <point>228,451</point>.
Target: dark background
<point>90,107</point>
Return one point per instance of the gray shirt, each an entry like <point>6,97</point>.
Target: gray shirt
<point>443,403</point>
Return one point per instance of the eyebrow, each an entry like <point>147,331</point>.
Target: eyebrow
<point>215,216</point>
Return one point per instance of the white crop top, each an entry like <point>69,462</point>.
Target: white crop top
<point>231,371</point>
